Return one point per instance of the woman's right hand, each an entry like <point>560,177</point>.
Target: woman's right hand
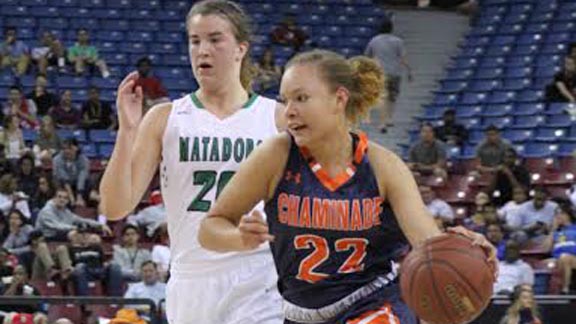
<point>129,103</point>
<point>254,230</point>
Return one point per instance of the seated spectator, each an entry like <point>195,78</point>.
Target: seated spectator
<point>97,114</point>
<point>71,169</point>
<point>20,286</point>
<point>563,88</point>
<point>83,55</point>
<point>495,235</point>
<point>507,212</point>
<point>150,287</point>
<point>7,264</point>
<point>161,253</point>
<point>18,241</point>
<point>14,53</point>
<point>450,132</point>
<point>10,198</point>
<point>27,177</point>
<point>268,73</point>
<point>491,151</point>
<point>44,100</point>
<point>512,271</point>
<point>49,53</point>
<point>533,219</point>
<point>44,192</point>
<point>152,89</point>
<point>151,217</point>
<point>129,256</point>
<point>438,208</point>
<point>42,261</point>
<point>57,222</point>
<point>428,155</point>
<point>48,142</point>
<point>287,33</point>
<point>12,138</point>
<point>510,174</point>
<point>65,115</point>
<point>523,309</point>
<point>24,109</point>
<point>87,257</point>
<point>562,243</point>
<point>484,214</point>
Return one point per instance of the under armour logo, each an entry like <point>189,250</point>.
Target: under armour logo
<point>293,177</point>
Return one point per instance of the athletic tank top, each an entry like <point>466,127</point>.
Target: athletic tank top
<point>333,236</point>
<point>200,153</point>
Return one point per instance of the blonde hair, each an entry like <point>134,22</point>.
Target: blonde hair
<point>241,26</point>
<point>361,76</point>
<point>513,312</point>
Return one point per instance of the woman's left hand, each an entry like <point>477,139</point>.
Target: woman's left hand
<point>482,241</point>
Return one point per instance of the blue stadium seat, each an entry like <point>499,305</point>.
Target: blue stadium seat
<point>484,85</point>
<point>6,80</point>
<point>498,50</point>
<point>563,26</point>
<point>139,36</point>
<point>178,60</point>
<point>29,135</point>
<point>511,29</point>
<point>142,14</point>
<point>177,5</point>
<point>519,61</point>
<point>38,3</point>
<point>525,50</point>
<point>102,136</point>
<point>493,73</point>
<point>476,136</point>
<point>470,123</point>
<point>452,86</point>
<point>518,135</point>
<point>464,63</point>
<point>560,120</point>
<point>528,109</point>
<point>473,42</point>
<point>7,10</point>
<point>175,15</point>
<point>445,99</point>
<point>146,25</point>
<point>499,122</point>
<point>115,25</point>
<point>107,47</point>
<point>557,108</point>
<point>174,26</point>
<point>497,110</point>
<point>79,94</point>
<point>69,133</point>
<point>119,58</point>
<point>473,98</point>
<point>71,82</point>
<point>548,134</point>
<point>534,28</point>
<point>540,150</point>
<point>179,85</point>
<point>549,61</point>
<point>530,96</point>
<point>554,49</point>
<point>566,16</point>
<point>52,23</point>
<point>527,121</point>
<point>108,83</point>
<point>135,48</point>
<point>501,97</point>
<point>557,38</point>
<point>515,84</point>
<point>27,22</point>
<point>460,74</point>
<point>170,37</point>
<point>566,149</point>
<point>108,13</point>
<point>90,24</point>
<point>52,12</point>
<point>468,111</point>
<point>163,48</point>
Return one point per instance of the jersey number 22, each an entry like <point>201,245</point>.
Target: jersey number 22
<point>207,179</point>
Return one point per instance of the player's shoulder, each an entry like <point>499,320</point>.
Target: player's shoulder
<point>278,144</point>
<point>380,155</point>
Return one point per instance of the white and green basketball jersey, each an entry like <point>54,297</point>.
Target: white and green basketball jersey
<point>200,153</point>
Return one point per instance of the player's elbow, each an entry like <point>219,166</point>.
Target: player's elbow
<point>204,235</point>
<point>113,211</point>
<point>211,236</point>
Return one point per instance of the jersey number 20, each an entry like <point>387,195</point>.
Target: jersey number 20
<point>207,179</point>
<point>321,252</point>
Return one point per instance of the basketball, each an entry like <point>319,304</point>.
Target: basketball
<point>446,280</point>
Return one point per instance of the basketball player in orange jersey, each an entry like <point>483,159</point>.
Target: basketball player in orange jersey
<point>199,141</point>
<point>340,209</point>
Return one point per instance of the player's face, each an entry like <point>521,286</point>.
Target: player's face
<point>214,51</point>
<point>312,108</point>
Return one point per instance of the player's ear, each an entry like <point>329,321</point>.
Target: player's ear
<point>242,50</point>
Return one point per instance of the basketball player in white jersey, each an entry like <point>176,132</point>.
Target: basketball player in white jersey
<point>199,141</point>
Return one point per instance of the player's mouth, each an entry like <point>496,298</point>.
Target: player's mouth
<point>297,127</point>
<point>204,67</point>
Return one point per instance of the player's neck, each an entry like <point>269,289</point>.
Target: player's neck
<point>224,99</point>
<point>334,153</point>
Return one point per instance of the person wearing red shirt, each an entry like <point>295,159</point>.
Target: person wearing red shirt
<point>153,90</point>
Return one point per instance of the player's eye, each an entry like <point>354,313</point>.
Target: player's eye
<point>301,98</point>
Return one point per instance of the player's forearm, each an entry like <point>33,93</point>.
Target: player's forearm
<point>220,235</point>
<point>116,184</point>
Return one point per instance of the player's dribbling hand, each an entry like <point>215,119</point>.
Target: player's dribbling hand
<point>254,230</point>
<point>129,102</point>
<point>482,241</point>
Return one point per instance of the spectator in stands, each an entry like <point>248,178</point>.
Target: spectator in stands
<point>12,138</point>
<point>450,132</point>
<point>7,263</point>
<point>268,73</point>
<point>20,286</point>
<point>512,271</point>
<point>151,217</point>
<point>71,170</point>
<point>130,256</point>
<point>57,222</point>
<point>289,34</point>
<point>507,212</point>
<point>161,253</point>
<point>44,192</point>
<point>484,215</point>
<point>44,100</point>
<point>428,155</point>
<point>24,109</point>
<point>11,198</point>
<point>18,241</point>
<point>562,243</point>
<point>150,287</point>
<point>563,88</point>
<point>491,151</point>
<point>26,175</point>
<point>83,55</point>
<point>438,208</point>
<point>65,115</point>
<point>152,89</point>
<point>49,53</point>
<point>87,257</point>
<point>523,309</point>
<point>97,114</point>
<point>48,142</point>
<point>14,53</point>
<point>389,50</point>
<point>495,235</point>
<point>533,219</point>
<point>509,175</point>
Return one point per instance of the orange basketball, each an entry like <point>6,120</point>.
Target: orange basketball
<point>447,280</point>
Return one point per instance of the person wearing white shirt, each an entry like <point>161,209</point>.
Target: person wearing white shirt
<point>533,219</point>
<point>438,208</point>
<point>150,287</point>
<point>507,213</point>
<point>512,271</point>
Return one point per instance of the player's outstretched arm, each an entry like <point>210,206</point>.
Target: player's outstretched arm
<point>224,229</point>
<point>136,153</point>
<point>398,187</point>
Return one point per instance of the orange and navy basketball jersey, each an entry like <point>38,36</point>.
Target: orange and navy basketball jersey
<point>333,236</point>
